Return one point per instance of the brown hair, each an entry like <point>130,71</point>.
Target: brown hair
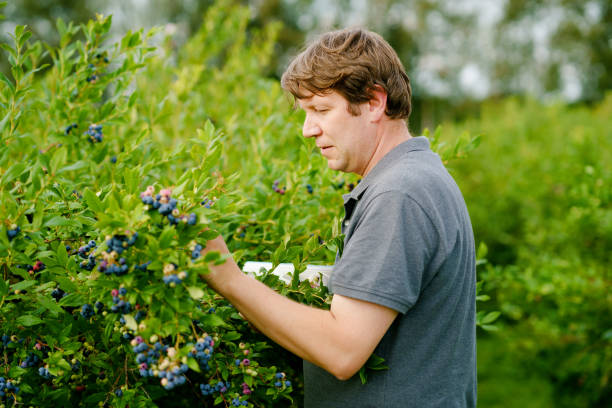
<point>352,62</point>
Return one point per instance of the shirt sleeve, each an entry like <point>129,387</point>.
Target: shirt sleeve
<point>388,247</point>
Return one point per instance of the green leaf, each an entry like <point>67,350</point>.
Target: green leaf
<point>212,320</point>
<point>29,320</point>
<point>66,284</point>
<point>59,221</point>
<point>165,239</point>
<point>4,121</point>
<point>195,292</point>
<point>81,164</point>
<point>7,81</point>
<point>72,299</point>
<point>130,322</point>
<point>490,317</point>
<point>16,371</point>
<point>131,178</point>
<point>212,256</point>
<point>58,159</point>
<point>93,202</point>
<point>4,288</point>
<point>362,375</point>
<point>50,305</point>
<point>14,171</point>
<point>231,336</point>
<point>62,255</point>
<point>23,285</point>
<point>193,364</point>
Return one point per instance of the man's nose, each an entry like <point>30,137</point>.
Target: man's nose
<point>310,128</point>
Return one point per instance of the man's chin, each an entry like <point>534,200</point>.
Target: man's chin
<point>334,165</point>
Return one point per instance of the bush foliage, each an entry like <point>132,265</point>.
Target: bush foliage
<point>118,161</point>
<point>539,191</point>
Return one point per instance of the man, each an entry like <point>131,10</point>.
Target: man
<point>404,285</point>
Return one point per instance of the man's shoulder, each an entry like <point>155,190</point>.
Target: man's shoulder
<point>412,175</point>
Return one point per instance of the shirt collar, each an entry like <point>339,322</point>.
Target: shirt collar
<point>419,143</point>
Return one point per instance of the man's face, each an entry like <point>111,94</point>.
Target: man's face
<point>346,141</point>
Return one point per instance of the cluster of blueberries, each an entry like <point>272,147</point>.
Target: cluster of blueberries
<point>280,381</point>
<point>33,269</point>
<point>93,78</point>
<point>30,361</point>
<point>309,188</point>
<point>8,390</point>
<point>150,363</point>
<point>166,205</point>
<point>87,311</point>
<point>203,352</point>
<point>44,373</point>
<point>349,186</point>
<point>12,233</point>
<point>120,305</point>
<point>6,340</point>
<point>143,267</point>
<point>75,365</point>
<point>173,378</point>
<point>57,294</point>
<point>278,189</point>
<point>37,267</point>
<point>94,133</point>
<point>196,251</point>
<point>210,389</point>
<point>171,278</point>
<point>236,402</point>
<point>116,245</point>
<point>85,252</point>
<point>70,127</point>
<point>207,203</point>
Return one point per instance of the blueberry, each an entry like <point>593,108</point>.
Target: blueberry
<point>165,209</point>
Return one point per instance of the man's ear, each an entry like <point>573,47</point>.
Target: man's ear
<point>378,103</point>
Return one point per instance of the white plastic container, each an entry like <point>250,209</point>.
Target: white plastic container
<point>285,271</point>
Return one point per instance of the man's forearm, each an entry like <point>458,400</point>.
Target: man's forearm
<point>313,334</point>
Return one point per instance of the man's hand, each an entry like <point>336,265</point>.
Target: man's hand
<point>220,275</point>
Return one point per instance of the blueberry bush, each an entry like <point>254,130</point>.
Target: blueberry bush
<point>539,191</point>
<point>118,161</point>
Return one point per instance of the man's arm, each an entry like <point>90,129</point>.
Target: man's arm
<point>339,340</point>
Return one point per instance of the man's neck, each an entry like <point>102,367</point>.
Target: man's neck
<point>390,134</point>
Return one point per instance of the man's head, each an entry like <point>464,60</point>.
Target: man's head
<point>354,63</point>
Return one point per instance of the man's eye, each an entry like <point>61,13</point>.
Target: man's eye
<point>320,110</point>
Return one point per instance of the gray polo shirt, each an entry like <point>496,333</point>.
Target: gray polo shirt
<point>408,246</point>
